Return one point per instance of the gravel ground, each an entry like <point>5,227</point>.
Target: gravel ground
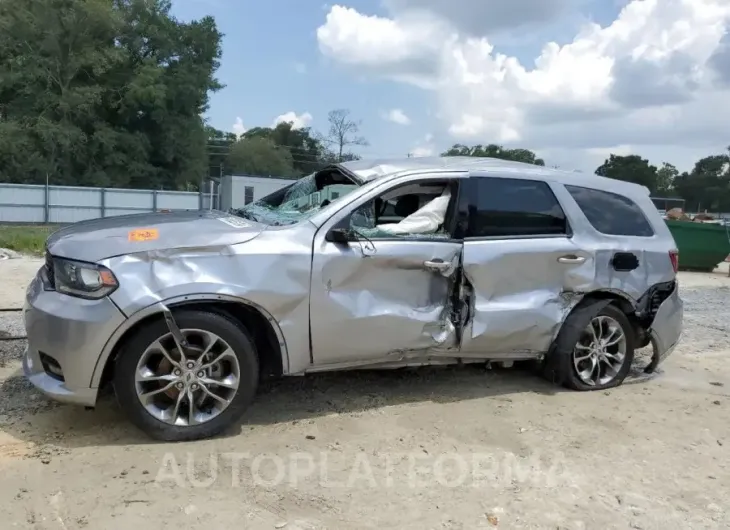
<point>429,449</point>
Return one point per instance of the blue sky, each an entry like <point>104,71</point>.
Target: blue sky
<point>267,43</point>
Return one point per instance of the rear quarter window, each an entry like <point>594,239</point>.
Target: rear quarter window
<point>611,213</point>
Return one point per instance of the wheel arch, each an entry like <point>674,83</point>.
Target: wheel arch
<point>553,364</point>
<point>613,296</point>
<point>264,329</point>
<point>625,303</point>
<point>601,298</point>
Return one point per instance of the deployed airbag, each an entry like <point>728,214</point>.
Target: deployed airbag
<point>426,220</point>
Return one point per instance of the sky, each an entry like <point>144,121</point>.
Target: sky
<point>573,80</point>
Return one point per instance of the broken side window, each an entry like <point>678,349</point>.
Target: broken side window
<point>408,212</point>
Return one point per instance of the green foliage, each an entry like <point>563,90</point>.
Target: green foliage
<point>495,151</point>
<point>218,146</point>
<point>104,92</point>
<point>305,149</point>
<point>260,156</point>
<point>281,150</point>
<point>665,178</point>
<point>707,186</point>
<point>26,239</point>
<point>631,168</point>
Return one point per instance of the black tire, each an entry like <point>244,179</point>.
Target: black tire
<point>558,366</point>
<point>126,366</point>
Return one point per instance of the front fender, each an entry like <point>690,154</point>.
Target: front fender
<point>157,309</point>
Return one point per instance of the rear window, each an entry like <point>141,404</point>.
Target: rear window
<point>610,213</point>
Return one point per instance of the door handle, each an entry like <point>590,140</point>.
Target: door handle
<point>437,265</point>
<point>571,260</point>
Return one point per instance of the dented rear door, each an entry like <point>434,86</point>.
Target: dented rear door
<point>519,264</point>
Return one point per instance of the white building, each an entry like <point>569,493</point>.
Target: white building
<point>236,191</point>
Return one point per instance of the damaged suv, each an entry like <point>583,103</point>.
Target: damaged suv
<point>365,264</point>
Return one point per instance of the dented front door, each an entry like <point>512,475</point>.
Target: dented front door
<point>376,300</point>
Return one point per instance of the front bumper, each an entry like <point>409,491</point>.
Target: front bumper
<point>666,329</point>
<point>70,331</point>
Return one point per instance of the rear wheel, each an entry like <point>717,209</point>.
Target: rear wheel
<point>177,394</point>
<point>594,349</point>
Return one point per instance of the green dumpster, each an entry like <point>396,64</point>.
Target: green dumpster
<point>702,246</point>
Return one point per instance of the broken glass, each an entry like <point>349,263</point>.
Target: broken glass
<point>293,203</point>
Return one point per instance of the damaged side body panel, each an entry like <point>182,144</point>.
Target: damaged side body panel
<point>274,284</point>
<point>360,265</point>
<point>390,301</point>
<point>518,291</point>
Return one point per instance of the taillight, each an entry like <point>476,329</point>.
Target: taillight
<point>674,258</point>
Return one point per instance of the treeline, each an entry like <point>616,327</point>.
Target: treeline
<point>283,150</point>
<point>104,93</point>
<point>705,187</point>
<point>112,92</point>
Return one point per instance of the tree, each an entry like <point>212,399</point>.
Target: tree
<point>665,177</point>
<point>104,92</point>
<point>330,157</point>
<point>631,168</point>
<point>707,186</point>
<point>218,147</point>
<point>495,151</point>
<point>306,150</point>
<point>342,132</point>
<point>260,156</point>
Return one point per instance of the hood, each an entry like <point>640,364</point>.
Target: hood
<point>99,239</point>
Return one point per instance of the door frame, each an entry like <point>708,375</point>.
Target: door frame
<point>457,213</point>
<point>456,222</point>
<point>568,211</point>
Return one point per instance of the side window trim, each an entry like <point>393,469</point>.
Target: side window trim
<point>474,190</point>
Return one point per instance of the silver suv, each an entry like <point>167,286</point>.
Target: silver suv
<point>367,264</point>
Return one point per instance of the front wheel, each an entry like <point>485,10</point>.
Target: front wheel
<point>178,394</point>
<point>594,349</point>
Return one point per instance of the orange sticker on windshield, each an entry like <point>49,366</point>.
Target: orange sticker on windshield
<point>144,234</point>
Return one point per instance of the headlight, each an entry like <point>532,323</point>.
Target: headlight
<point>85,280</point>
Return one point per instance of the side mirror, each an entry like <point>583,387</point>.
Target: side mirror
<point>338,235</point>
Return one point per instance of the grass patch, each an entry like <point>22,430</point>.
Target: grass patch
<point>28,239</point>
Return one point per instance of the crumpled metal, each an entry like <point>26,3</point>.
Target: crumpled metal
<point>348,305</point>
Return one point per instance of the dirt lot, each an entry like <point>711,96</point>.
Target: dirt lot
<point>431,449</point>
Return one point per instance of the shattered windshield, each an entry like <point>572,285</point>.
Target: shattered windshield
<point>299,200</point>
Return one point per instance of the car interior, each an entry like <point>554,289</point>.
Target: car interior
<point>403,204</point>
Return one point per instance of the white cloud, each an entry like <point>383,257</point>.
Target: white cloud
<point>238,127</point>
<point>298,121</point>
<point>656,76</point>
<point>397,116</point>
<point>425,147</point>
<point>422,151</point>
